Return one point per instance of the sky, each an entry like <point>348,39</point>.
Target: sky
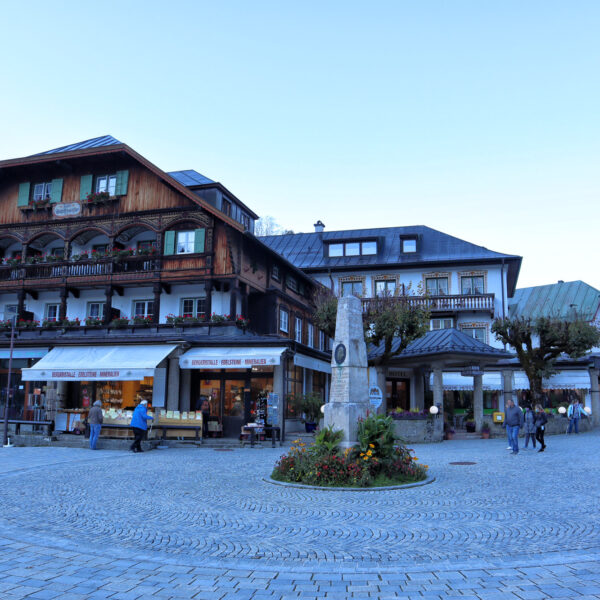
<point>480,119</point>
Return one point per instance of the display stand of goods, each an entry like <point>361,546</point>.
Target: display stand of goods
<point>175,417</point>
<point>116,417</point>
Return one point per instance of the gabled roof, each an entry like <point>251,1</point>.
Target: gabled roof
<point>307,250</point>
<point>99,142</point>
<point>444,341</point>
<point>190,178</point>
<point>559,300</point>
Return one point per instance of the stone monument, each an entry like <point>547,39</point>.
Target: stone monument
<point>349,397</point>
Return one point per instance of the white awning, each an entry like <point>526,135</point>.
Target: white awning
<point>577,379</point>
<point>230,358</point>
<point>24,352</point>
<point>308,362</point>
<point>98,363</point>
<point>456,381</point>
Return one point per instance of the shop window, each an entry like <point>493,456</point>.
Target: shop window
<point>471,285</point>
<point>143,308</point>
<point>441,324</point>
<point>310,335</point>
<point>385,287</point>
<point>352,288</point>
<point>319,383</point>
<point>437,286</point>
<point>95,310</point>
<point>51,312</point>
<point>284,320</point>
<point>298,330</point>
<point>295,389</point>
<point>193,307</point>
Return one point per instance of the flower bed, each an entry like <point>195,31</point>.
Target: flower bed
<point>377,460</point>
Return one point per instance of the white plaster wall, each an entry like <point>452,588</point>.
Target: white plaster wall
<point>38,306</point>
<point>124,303</point>
<point>15,247</point>
<point>221,303</point>
<point>4,300</point>
<point>170,304</point>
<point>77,307</point>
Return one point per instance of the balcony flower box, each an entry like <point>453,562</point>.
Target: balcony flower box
<point>215,318</point>
<point>242,322</point>
<point>142,321</point>
<point>182,320</point>
<point>93,322</point>
<point>97,198</point>
<point>80,256</point>
<point>48,324</point>
<point>27,324</point>
<point>119,323</point>
<point>70,322</point>
<point>12,262</point>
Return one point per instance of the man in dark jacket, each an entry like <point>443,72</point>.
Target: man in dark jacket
<point>513,420</point>
<point>95,420</point>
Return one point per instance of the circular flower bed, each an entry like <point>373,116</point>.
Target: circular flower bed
<point>377,460</point>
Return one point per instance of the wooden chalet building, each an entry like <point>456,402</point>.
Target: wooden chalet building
<point>128,282</point>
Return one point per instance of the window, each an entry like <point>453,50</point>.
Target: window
<point>275,273</point>
<point>193,307</point>
<point>143,308</point>
<point>471,285</point>
<point>298,330</point>
<point>95,310</point>
<point>357,248</point>
<point>51,312</point>
<point>385,288</point>
<point>409,245</point>
<point>42,191</point>
<point>352,288</point>
<point>245,221</point>
<point>185,242</point>
<point>10,311</point>
<point>437,286</point>
<point>441,324</point>
<point>283,320</point>
<point>106,183</point>
<point>479,333</point>
<point>321,340</point>
<point>146,244</point>
<point>310,334</point>
<point>292,283</point>
<point>100,248</point>
<point>226,207</point>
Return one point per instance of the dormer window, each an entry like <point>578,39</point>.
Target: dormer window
<point>357,248</point>
<point>42,191</point>
<point>106,183</point>
<point>409,245</point>
<point>275,273</point>
<point>226,207</point>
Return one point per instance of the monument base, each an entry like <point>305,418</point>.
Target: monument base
<point>345,416</point>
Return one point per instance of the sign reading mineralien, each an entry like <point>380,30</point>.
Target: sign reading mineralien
<point>67,209</point>
<point>340,354</point>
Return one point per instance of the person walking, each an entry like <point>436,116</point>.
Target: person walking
<point>139,424</point>
<point>529,427</point>
<point>514,421</point>
<point>574,413</point>
<point>541,418</point>
<point>95,420</point>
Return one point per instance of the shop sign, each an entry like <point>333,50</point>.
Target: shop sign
<point>375,396</point>
<point>273,409</point>
<point>224,363</point>
<point>401,373</point>
<point>66,209</point>
<point>83,375</point>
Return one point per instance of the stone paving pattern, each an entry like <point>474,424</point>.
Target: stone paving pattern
<point>198,523</point>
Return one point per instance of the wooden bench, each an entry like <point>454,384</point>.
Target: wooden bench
<point>18,422</point>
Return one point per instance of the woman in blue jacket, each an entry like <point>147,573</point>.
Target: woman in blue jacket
<point>139,424</point>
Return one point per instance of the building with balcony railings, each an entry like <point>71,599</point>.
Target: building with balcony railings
<point>130,283</point>
<point>465,286</point>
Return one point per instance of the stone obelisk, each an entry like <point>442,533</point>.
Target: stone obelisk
<point>349,397</point>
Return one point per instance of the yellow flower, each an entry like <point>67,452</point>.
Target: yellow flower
<point>366,458</point>
<point>371,445</point>
<point>415,458</point>
<point>362,454</point>
<point>369,453</point>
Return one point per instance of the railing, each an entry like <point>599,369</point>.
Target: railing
<point>449,303</point>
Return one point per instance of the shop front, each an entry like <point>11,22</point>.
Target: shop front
<point>558,389</point>
<point>118,376</point>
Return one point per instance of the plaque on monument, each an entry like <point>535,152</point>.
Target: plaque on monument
<point>340,354</point>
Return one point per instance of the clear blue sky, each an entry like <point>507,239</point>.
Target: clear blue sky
<point>477,118</point>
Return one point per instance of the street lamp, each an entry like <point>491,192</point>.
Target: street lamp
<point>434,410</point>
<point>12,345</point>
<point>562,410</point>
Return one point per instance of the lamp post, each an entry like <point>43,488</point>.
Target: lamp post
<point>12,345</point>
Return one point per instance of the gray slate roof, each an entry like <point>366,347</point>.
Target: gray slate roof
<point>99,142</point>
<point>559,300</point>
<point>306,250</point>
<point>190,178</point>
<point>443,341</point>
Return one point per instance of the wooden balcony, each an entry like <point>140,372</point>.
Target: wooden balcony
<point>167,268</point>
<point>446,304</point>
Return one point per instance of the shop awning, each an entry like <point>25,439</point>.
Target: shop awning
<point>230,358</point>
<point>577,379</point>
<point>24,352</point>
<point>98,363</point>
<point>308,362</point>
<point>458,382</point>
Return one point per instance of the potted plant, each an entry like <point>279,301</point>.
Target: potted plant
<point>310,407</point>
<point>448,432</point>
<point>242,322</point>
<point>470,426</point>
<point>485,430</point>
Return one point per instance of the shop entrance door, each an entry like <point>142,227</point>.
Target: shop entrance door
<point>397,394</point>
<point>233,407</point>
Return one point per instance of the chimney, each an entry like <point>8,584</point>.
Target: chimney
<point>319,226</point>
<point>560,281</point>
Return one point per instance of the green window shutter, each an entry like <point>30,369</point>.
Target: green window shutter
<point>85,187</point>
<point>122,179</point>
<point>169,242</point>
<point>56,192</point>
<point>199,240</point>
<point>23,199</point>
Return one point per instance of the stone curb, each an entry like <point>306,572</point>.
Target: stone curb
<point>426,481</point>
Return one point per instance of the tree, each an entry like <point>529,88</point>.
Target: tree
<point>267,226</point>
<point>394,320</point>
<point>553,336</point>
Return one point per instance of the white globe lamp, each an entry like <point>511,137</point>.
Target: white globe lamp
<point>588,410</point>
<point>562,410</point>
<point>434,410</point>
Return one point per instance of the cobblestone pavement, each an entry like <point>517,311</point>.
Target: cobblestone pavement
<point>200,523</point>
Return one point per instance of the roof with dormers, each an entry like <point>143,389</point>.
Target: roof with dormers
<point>190,178</point>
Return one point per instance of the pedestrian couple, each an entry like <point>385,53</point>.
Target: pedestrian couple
<point>533,422</point>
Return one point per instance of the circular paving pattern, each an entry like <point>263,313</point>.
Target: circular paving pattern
<point>211,507</point>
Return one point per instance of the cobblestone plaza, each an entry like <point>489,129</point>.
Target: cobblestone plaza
<point>201,523</point>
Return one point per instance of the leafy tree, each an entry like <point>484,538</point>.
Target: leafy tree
<point>325,311</point>
<point>540,342</point>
